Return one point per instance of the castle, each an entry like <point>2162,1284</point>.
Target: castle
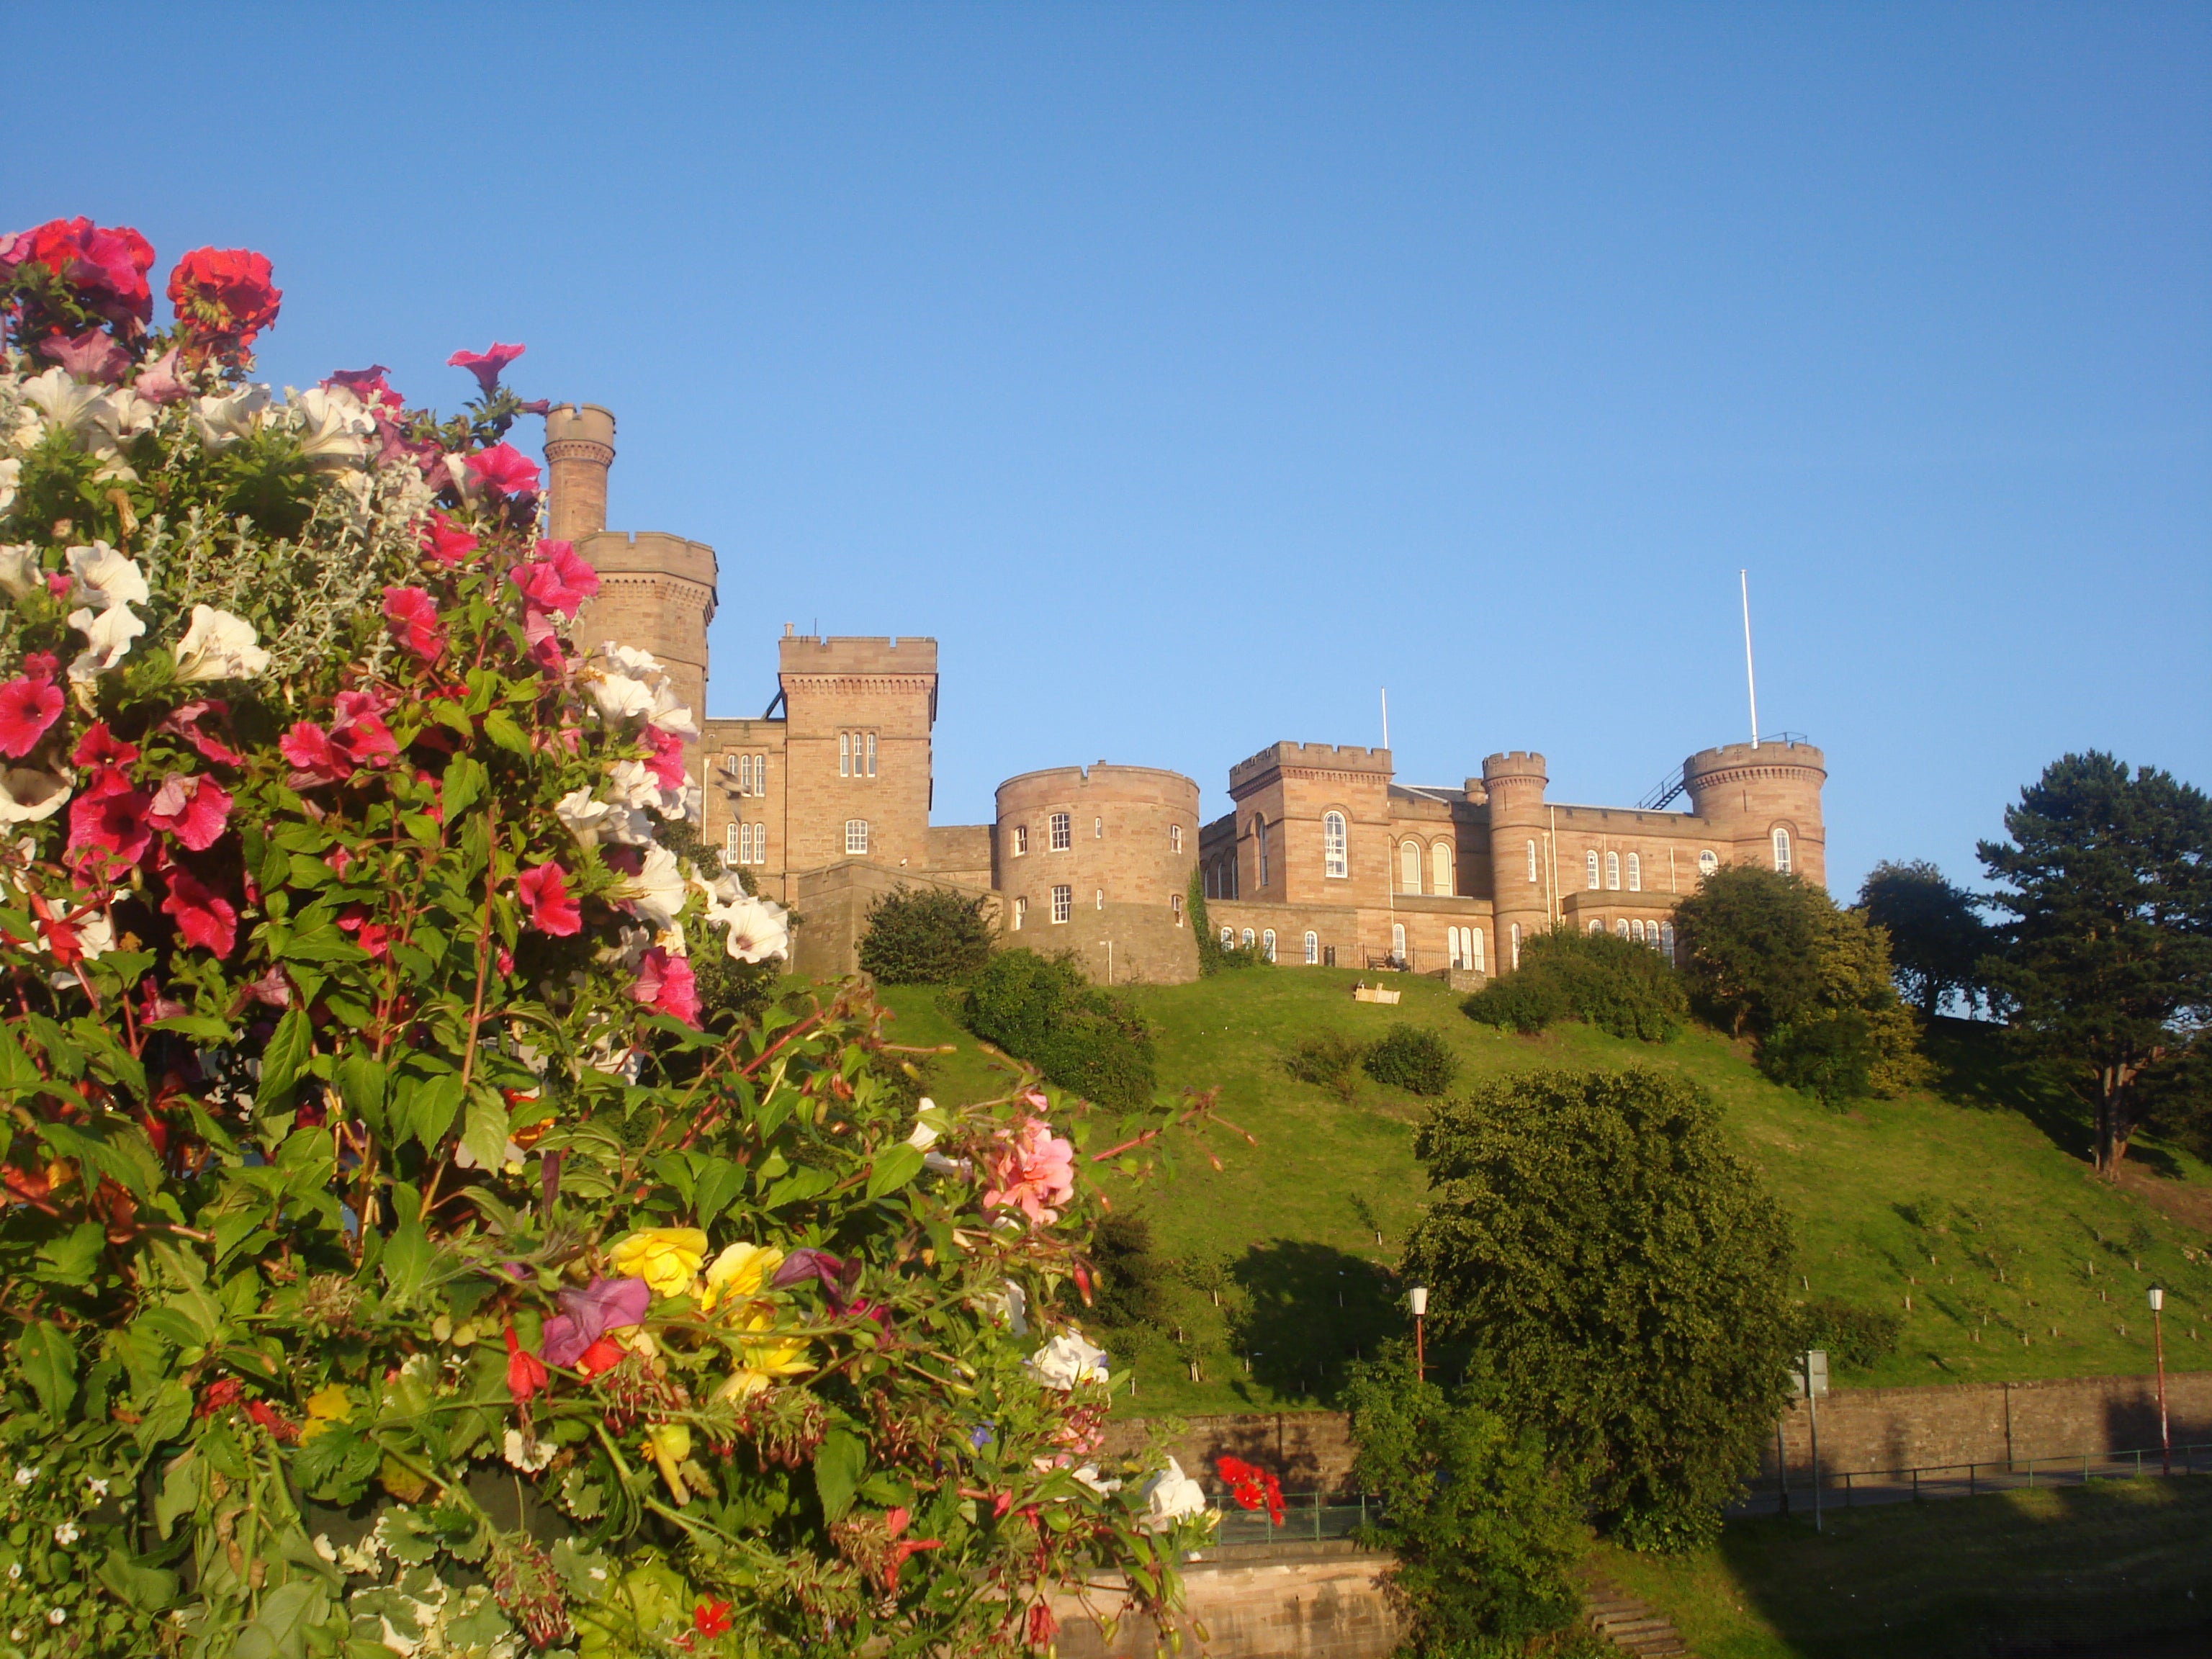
<point>1324,858</point>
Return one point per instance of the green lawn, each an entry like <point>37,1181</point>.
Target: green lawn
<point>1949,1580</point>
<point>1974,1202</point>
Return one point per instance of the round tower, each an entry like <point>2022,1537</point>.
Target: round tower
<point>1520,850</point>
<point>1764,803</point>
<point>579,447</point>
<point>1098,859</point>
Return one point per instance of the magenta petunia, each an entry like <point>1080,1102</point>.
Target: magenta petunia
<point>28,708</point>
<point>667,761</point>
<point>93,356</point>
<point>204,917</point>
<point>192,808</point>
<point>486,366</point>
<point>109,817</point>
<point>413,615</point>
<point>446,541</point>
<point>586,1315</point>
<point>666,984</point>
<point>556,579</point>
<point>502,467</point>
<point>543,890</point>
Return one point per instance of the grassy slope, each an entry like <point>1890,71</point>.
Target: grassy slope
<point>1984,1178</point>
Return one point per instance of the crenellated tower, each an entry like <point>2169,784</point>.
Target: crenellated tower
<point>1520,849</point>
<point>1764,801</point>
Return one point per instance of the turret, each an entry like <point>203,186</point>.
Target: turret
<point>1764,803</point>
<point>579,447</point>
<point>1520,850</point>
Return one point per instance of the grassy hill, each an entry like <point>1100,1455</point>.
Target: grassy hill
<point>1973,1200</point>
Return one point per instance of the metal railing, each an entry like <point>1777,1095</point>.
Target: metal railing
<point>1917,1482</point>
<point>1308,1517</point>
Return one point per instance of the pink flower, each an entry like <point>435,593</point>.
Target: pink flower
<point>184,720</point>
<point>192,808</point>
<point>315,759</point>
<point>93,356</point>
<point>665,984</point>
<point>109,818</point>
<point>100,747</point>
<point>556,579</point>
<point>106,267</point>
<point>486,366</point>
<point>373,936</point>
<point>28,708</point>
<point>157,381</point>
<point>667,761</point>
<point>413,615</point>
<point>543,890</point>
<point>446,542</point>
<point>368,385</point>
<point>204,917</point>
<point>360,728</point>
<point>1034,1171</point>
<point>272,989</point>
<point>504,469</point>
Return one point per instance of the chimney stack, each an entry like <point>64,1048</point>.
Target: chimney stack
<point>579,447</point>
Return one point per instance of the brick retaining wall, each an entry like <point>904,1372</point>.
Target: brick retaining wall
<point>1294,1601</point>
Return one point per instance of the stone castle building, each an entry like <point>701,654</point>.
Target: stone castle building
<point>1324,858</point>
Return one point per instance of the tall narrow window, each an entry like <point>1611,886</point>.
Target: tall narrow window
<point>1532,876</point>
<point>1062,834</point>
<point>1267,944</point>
<point>1313,947</point>
<point>872,754</point>
<point>760,843</point>
<point>1590,869</point>
<point>1398,941</point>
<point>1440,868</point>
<point>731,853</point>
<point>1244,940</point>
<point>1228,938</point>
<point>1409,867</point>
<point>1781,849</point>
<point>856,837</point>
<point>1613,871</point>
<point>1098,829</point>
<point>1175,907</point>
<point>1635,931</point>
<point>759,775</point>
<point>1516,937</point>
<point>1667,940</point>
<point>1260,839</point>
<point>744,775</point>
<point>1063,903</point>
<point>1708,861</point>
<point>1477,964</point>
<point>844,753</point>
<point>1333,858</point>
<point>1175,838</point>
<point>1021,913</point>
<point>1101,892</point>
<point>1635,874</point>
<point>1597,927</point>
<point>1620,928</point>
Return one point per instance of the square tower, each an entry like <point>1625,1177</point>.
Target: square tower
<point>857,715</point>
<point>1313,823</point>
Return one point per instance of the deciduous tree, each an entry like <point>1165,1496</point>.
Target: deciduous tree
<point>1937,934</point>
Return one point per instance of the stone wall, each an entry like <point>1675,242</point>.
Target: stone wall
<point>1291,1601</point>
<point>1131,843</point>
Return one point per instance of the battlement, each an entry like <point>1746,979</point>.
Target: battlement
<point>647,553</point>
<point>1514,763</point>
<point>1792,756</point>
<point>1319,756</point>
<point>810,655</point>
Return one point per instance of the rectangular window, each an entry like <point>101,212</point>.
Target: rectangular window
<point>856,837</point>
<point>733,844</point>
<point>1063,903</point>
<point>1532,876</point>
<point>1021,913</point>
<point>1098,829</point>
<point>1175,907</point>
<point>872,754</point>
<point>1175,838</point>
<point>1021,839</point>
<point>844,753</point>
<point>1101,898</point>
<point>1063,834</point>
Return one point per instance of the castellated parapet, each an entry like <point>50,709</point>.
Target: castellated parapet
<point>579,447</point>
<point>1308,756</point>
<point>1750,794</point>
<point>1098,859</point>
<point>656,593</point>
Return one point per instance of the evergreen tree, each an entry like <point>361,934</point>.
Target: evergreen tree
<point>1937,934</point>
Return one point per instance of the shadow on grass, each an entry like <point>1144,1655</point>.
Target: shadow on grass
<point>2012,1574</point>
<point>1309,1310</point>
<point>1976,1067</point>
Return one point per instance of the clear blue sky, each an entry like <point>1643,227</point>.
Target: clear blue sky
<point>1190,371</point>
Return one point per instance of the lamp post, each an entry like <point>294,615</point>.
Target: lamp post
<point>1418,1299</point>
<point>2158,1344</point>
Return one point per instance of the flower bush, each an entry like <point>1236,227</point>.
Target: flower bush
<point>392,1261</point>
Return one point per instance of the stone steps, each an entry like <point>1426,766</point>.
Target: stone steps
<point>1631,1624</point>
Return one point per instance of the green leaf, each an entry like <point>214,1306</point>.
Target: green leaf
<point>406,1261</point>
<point>181,1490</point>
<point>147,1588</point>
<point>334,1466</point>
<point>16,1071</point>
<point>69,1259</point>
<point>428,1111</point>
<point>288,1614</point>
<point>719,1181</point>
<point>206,1027</point>
<point>48,1362</point>
<point>798,1185</point>
<point>466,783</point>
<point>484,1137</point>
<point>502,729</point>
<point>361,1082</point>
<point>281,1061</point>
<point>165,1417</point>
<point>893,1169</point>
<point>839,1463</point>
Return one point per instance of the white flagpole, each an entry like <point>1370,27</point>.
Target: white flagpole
<point>1386,717</point>
<point>1750,680</point>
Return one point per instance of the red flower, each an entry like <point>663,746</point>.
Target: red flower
<point>667,761</point>
<point>100,747</point>
<point>503,468</point>
<point>486,366</point>
<point>368,385</point>
<point>446,542</point>
<point>525,1374</point>
<point>223,299</point>
<point>556,579</point>
<point>666,984</point>
<point>544,892</point>
<point>266,1414</point>
<point>223,1391</point>
<point>105,268</point>
<point>204,917</point>
<point>1251,1486</point>
<point>413,615</point>
<point>28,708</point>
<point>357,736</point>
<point>711,1618</point>
<point>110,817</point>
<point>603,1356</point>
<point>373,936</point>
<point>192,808</point>
<point>315,758</point>
<point>185,722</point>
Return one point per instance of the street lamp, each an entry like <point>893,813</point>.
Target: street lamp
<point>2158,1343</point>
<point>1418,1299</point>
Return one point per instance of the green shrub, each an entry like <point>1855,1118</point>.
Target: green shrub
<point>1600,979</point>
<point>1129,1288</point>
<point>925,936</point>
<point>1831,1056</point>
<point>1859,1338</point>
<point>1487,1537</point>
<point>1330,1060</point>
<point>1521,1001</point>
<point>1411,1058</point>
<point>1041,1009</point>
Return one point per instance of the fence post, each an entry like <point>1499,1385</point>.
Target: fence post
<point>1847,1489</point>
<point>2031,1474</point>
<point>1317,1515</point>
<point>1970,1479</point>
<point>1916,1485</point>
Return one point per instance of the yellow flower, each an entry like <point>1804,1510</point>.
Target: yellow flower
<point>763,1358</point>
<point>664,1257</point>
<point>740,1273</point>
<point>326,1405</point>
<point>669,1444</point>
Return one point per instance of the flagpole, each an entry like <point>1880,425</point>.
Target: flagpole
<point>1750,680</point>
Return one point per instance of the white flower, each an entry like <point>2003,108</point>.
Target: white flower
<point>27,1474</point>
<point>1011,1304</point>
<point>219,647</point>
<point>119,413</point>
<point>66,402</point>
<point>334,428</point>
<point>632,684</point>
<point>19,571</point>
<point>324,1548</point>
<point>107,577</point>
<point>592,822</point>
<point>758,928</point>
<point>1089,1475</point>
<point>524,1454</point>
<point>924,1133</point>
<point>619,696</point>
<point>97,1485</point>
<point>109,633</point>
<point>657,889</point>
<point>223,421</point>
<point>56,1616</point>
<point>96,937</point>
<point>29,795</point>
<point>1067,1361</point>
<point>1169,1496</point>
<point>11,474</point>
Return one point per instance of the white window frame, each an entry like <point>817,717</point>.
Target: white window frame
<point>1228,937</point>
<point>1060,832</point>
<point>1620,926</point>
<point>1335,856</point>
<point>1532,876</point>
<point>1098,829</point>
<point>1021,840</point>
<point>733,843</point>
<point>1478,966</point>
<point>1667,940</point>
<point>1063,902</point>
<point>856,838</point>
<point>1313,947</point>
<point>1244,940</point>
<point>1175,838</point>
<point>1781,839</point>
<point>1021,912</point>
<point>1708,861</point>
<point>872,753</point>
<point>1635,872</point>
<point>1596,925</point>
<point>1175,907</point>
<point>1441,871</point>
<point>1260,840</point>
<point>1268,943</point>
<point>844,753</point>
<point>1613,872</point>
<point>1398,940</point>
<point>1409,867</point>
<point>1101,892</point>
<point>1516,937</point>
<point>1635,931</point>
<point>1590,870</point>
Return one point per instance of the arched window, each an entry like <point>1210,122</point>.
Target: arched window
<point>1267,944</point>
<point>1175,907</point>
<point>1635,932</point>
<point>1590,869</point>
<point>1228,938</point>
<point>856,838</point>
<point>1409,867</point>
<point>1175,838</point>
<point>1667,940</point>
<point>1613,871</point>
<point>1245,939</point>
<point>732,851</point>
<point>1781,849</point>
<point>1440,868</point>
<point>1597,927</point>
<point>1398,940</point>
<point>1635,874</point>
<point>744,775</point>
<point>1313,947</point>
<point>1334,862</point>
<point>1532,873</point>
<point>1098,829</point>
<point>1477,963</point>
<point>1708,861</point>
<point>1621,929</point>
<point>1101,904</point>
<point>1260,839</point>
<point>1516,937</point>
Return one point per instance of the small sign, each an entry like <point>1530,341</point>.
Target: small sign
<point>1810,1374</point>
